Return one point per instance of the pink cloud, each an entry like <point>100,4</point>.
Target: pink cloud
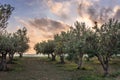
<point>42,29</point>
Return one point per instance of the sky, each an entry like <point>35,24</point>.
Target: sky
<point>44,18</point>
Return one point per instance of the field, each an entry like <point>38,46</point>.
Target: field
<point>41,68</point>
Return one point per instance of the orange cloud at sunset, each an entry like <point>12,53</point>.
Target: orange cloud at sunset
<point>42,29</point>
<point>61,9</point>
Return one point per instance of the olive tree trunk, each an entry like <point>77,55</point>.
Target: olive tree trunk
<point>62,61</point>
<point>3,65</point>
<point>80,61</point>
<point>53,57</point>
<point>20,55</point>
<point>48,56</point>
<point>11,56</point>
<point>105,64</point>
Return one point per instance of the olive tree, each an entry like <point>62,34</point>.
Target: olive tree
<point>14,46</point>
<point>5,12</point>
<point>78,42</point>
<point>5,46</point>
<point>104,42</point>
<point>49,49</point>
<point>37,48</point>
<point>23,41</point>
<point>59,45</point>
<point>46,48</point>
<point>19,43</point>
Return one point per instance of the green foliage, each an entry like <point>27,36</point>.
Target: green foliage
<point>23,40</point>
<point>45,47</point>
<point>13,42</point>
<point>70,57</point>
<point>100,41</point>
<point>59,43</point>
<point>5,12</point>
<point>5,43</point>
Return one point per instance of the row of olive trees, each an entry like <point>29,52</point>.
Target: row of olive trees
<point>10,43</point>
<point>102,42</point>
<point>52,47</point>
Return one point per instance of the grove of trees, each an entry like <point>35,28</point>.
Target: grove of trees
<point>102,42</point>
<point>10,43</point>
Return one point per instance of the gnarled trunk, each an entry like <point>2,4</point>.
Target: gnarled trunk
<point>3,65</point>
<point>48,56</point>
<point>106,73</point>
<point>11,55</point>
<point>62,59</point>
<point>20,54</point>
<point>105,65</point>
<point>80,61</point>
<point>53,57</point>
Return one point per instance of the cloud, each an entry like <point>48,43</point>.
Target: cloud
<point>94,11</point>
<point>42,29</point>
<point>117,12</point>
<point>59,8</point>
<point>48,25</point>
<point>33,2</point>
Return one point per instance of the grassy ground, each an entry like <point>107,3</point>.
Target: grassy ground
<point>43,69</point>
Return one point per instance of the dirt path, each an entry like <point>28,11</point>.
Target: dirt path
<point>33,69</point>
<point>41,69</point>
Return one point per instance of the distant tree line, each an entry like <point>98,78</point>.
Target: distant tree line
<point>100,41</point>
<point>10,43</point>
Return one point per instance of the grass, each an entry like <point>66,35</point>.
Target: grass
<point>36,68</point>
